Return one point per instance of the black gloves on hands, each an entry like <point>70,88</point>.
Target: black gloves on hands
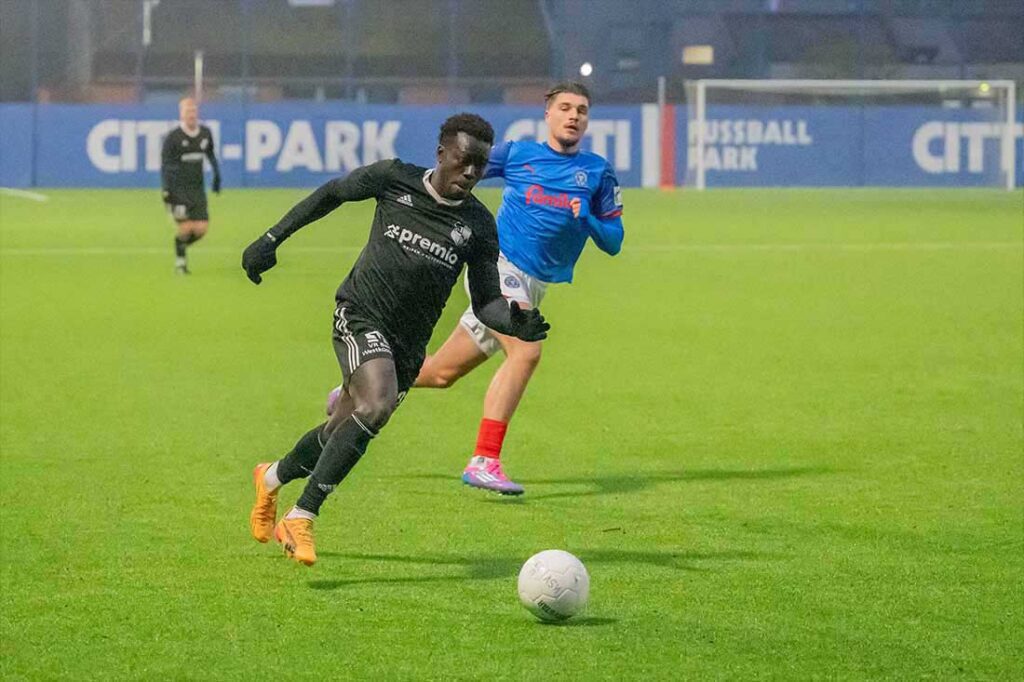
<point>215,185</point>
<point>528,325</point>
<point>259,257</point>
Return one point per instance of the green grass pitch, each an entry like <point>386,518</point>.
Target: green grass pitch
<point>783,430</point>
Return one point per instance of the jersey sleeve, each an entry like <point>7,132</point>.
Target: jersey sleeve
<point>365,182</point>
<point>606,202</point>
<point>483,260</point>
<point>498,161</point>
<point>362,183</point>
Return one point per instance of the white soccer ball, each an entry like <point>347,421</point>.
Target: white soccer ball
<point>554,585</point>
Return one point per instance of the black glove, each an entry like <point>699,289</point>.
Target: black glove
<point>259,257</point>
<point>215,185</point>
<point>528,325</point>
<point>167,196</point>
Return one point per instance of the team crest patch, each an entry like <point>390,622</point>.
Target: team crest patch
<point>461,233</point>
<point>512,282</point>
<point>202,143</point>
<point>581,178</point>
<point>375,342</point>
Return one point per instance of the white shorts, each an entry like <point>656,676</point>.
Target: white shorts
<point>516,285</point>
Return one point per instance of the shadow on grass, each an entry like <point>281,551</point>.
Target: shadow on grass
<point>501,567</point>
<point>580,622</point>
<point>623,484</point>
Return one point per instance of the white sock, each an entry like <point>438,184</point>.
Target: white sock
<point>179,261</point>
<point>270,479</point>
<point>297,513</point>
<point>479,460</point>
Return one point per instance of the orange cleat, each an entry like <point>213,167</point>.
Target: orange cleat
<point>264,511</point>
<point>296,536</point>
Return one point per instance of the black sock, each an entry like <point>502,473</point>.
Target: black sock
<point>341,452</point>
<point>300,461</point>
<point>192,237</point>
<point>179,246</point>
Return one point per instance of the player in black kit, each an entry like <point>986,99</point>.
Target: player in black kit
<point>181,176</point>
<point>426,225</point>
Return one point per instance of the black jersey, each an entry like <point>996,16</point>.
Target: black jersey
<point>418,244</point>
<point>181,162</point>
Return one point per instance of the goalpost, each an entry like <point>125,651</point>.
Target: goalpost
<point>197,76</point>
<point>803,133</point>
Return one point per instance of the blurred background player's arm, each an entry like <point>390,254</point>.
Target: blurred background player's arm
<point>211,155</point>
<point>168,164</point>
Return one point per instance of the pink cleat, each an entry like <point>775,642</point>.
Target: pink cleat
<point>486,473</point>
<point>332,400</point>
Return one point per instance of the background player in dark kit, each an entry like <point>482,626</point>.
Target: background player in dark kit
<point>426,225</point>
<point>181,178</point>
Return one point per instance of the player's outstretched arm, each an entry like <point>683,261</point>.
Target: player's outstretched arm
<point>360,184</point>
<point>504,317</point>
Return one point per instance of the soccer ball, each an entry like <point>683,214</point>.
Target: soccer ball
<point>553,585</point>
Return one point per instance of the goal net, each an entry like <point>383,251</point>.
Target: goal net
<point>839,133</point>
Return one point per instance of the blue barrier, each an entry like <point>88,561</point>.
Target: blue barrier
<point>16,162</point>
<point>884,146</point>
<point>303,144</point>
<point>285,145</point>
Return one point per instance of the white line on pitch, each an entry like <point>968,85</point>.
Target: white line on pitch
<point>151,250</point>
<point>24,194</point>
<point>866,246</point>
<point>648,248</point>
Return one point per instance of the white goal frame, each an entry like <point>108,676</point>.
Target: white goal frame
<point>1007,141</point>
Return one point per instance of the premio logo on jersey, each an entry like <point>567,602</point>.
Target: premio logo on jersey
<point>461,233</point>
<point>423,246</point>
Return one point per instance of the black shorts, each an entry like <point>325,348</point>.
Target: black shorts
<point>190,205</point>
<point>357,339</point>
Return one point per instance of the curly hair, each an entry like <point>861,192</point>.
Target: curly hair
<point>567,86</point>
<point>471,124</point>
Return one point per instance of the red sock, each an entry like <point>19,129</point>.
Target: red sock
<point>490,438</point>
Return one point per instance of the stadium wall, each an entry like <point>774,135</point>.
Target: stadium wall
<point>304,144</point>
<point>852,146</point>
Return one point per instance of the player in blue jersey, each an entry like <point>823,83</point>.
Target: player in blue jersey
<point>556,197</point>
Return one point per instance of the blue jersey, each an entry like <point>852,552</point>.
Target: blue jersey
<point>536,227</point>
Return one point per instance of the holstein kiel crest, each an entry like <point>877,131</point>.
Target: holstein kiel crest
<point>460,233</point>
<point>581,177</point>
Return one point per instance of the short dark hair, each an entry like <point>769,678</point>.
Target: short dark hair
<point>471,124</point>
<point>571,87</point>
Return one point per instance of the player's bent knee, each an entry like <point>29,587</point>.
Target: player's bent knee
<point>374,414</point>
<point>525,352</point>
